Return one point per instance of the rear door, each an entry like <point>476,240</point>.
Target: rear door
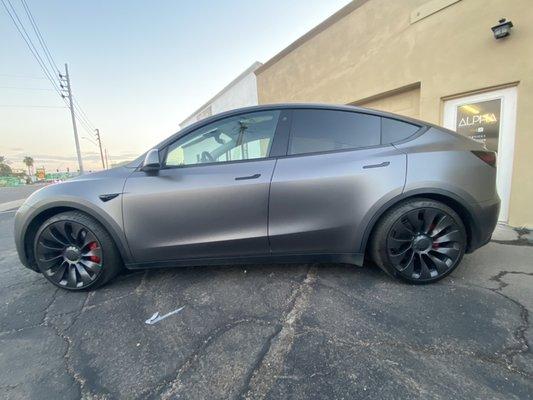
<point>336,170</point>
<point>210,199</point>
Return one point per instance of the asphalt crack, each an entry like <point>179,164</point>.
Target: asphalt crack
<point>522,345</point>
<point>268,367</point>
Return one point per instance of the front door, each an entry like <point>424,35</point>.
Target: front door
<point>490,119</point>
<point>210,199</point>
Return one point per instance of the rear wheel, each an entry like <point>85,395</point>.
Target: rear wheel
<point>75,252</point>
<point>419,241</point>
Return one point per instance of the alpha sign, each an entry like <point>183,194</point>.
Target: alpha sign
<point>480,121</point>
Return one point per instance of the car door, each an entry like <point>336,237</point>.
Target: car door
<point>335,172</point>
<point>210,198</point>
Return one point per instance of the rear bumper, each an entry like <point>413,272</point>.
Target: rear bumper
<point>484,222</point>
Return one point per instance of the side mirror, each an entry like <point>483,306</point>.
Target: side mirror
<point>151,161</point>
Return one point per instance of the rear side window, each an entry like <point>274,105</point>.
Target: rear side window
<point>326,130</point>
<point>393,130</point>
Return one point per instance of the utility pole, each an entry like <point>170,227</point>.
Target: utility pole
<point>106,159</point>
<point>66,78</point>
<point>100,145</point>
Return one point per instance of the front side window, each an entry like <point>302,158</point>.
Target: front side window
<point>326,130</point>
<point>242,137</point>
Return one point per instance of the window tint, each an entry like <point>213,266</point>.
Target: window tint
<point>325,130</point>
<point>242,137</point>
<point>394,131</point>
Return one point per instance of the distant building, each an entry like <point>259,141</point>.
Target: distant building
<point>240,92</point>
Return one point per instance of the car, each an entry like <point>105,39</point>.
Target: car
<point>272,184</point>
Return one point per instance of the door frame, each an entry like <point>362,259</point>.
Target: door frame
<point>506,136</point>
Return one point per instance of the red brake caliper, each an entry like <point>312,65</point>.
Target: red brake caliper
<point>434,245</point>
<point>93,258</point>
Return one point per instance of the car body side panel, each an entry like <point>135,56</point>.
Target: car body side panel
<point>318,202</point>
<point>198,211</point>
<point>438,159</point>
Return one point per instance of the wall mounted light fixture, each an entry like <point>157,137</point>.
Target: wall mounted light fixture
<point>503,29</point>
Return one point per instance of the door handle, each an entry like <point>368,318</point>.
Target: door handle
<point>383,164</point>
<point>242,178</point>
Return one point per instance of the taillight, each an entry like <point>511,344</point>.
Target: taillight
<point>487,156</point>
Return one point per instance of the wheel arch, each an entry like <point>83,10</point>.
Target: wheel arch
<point>462,207</point>
<point>42,214</point>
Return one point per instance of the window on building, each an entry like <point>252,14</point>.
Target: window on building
<point>393,130</point>
<point>325,130</point>
<point>242,137</point>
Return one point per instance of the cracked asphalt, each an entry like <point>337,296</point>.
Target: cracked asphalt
<point>271,332</point>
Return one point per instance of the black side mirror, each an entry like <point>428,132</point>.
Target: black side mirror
<point>151,161</point>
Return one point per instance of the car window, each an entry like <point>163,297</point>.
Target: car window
<point>326,130</point>
<point>393,130</point>
<point>243,137</point>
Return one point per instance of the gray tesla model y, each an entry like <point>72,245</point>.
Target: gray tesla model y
<point>278,183</point>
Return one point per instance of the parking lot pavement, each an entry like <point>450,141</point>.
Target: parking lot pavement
<point>9,194</point>
<point>271,332</point>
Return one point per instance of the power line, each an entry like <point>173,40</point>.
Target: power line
<point>76,110</point>
<point>29,43</point>
<point>47,53</point>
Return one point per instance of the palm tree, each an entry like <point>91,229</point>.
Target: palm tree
<point>29,163</point>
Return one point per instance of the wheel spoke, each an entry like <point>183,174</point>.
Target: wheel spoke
<point>57,274</point>
<point>415,221</point>
<point>91,266</point>
<point>55,236</point>
<point>424,268</point>
<point>409,267</point>
<point>85,277</point>
<point>71,280</point>
<point>398,242</point>
<point>440,265</point>
<point>443,223</point>
<point>54,246</point>
<point>450,252</point>
<point>452,236</point>
<point>429,219</point>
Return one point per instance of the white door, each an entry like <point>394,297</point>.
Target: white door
<point>489,118</point>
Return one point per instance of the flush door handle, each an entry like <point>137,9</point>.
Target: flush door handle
<point>383,164</point>
<point>242,178</point>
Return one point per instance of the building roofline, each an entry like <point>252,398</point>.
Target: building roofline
<point>251,68</point>
<point>347,9</point>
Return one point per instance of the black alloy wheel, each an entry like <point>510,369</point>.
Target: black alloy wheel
<point>70,250</point>
<point>69,254</point>
<point>422,241</point>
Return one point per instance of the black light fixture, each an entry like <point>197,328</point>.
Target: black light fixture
<point>503,29</point>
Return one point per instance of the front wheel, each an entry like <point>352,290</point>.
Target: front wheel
<point>419,241</point>
<point>74,252</point>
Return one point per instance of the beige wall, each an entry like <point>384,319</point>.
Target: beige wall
<point>375,49</point>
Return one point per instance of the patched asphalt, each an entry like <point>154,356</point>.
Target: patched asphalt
<point>293,331</point>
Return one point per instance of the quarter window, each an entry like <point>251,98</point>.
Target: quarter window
<point>243,137</point>
<point>325,130</point>
<point>394,130</point>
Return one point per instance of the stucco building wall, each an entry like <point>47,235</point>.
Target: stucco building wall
<point>372,51</point>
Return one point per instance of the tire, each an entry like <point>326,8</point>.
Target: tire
<point>419,241</point>
<point>75,252</point>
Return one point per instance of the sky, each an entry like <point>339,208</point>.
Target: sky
<point>138,68</point>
